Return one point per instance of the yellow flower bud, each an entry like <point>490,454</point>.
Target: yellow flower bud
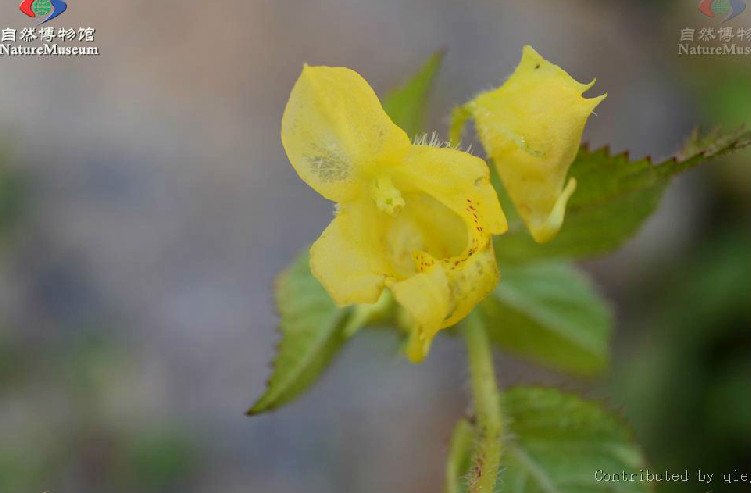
<point>531,127</point>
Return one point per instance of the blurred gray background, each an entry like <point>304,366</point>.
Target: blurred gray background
<point>150,206</point>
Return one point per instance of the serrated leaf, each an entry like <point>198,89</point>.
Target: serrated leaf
<point>407,103</point>
<point>313,329</point>
<point>559,441</point>
<point>614,197</point>
<point>549,312</point>
<point>556,442</point>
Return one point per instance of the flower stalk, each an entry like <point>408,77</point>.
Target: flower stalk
<point>489,423</point>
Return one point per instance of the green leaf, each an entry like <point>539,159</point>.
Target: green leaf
<point>313,329</point>
<point>554,442</point>
<point>407,103</point>
<point>557,443</point>
<point>460,453</point>
<point>549,312</point>
<point>613,198</point>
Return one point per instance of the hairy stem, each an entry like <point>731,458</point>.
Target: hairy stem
<point>489,428</point>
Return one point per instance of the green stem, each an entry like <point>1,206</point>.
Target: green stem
<point>487,457</point>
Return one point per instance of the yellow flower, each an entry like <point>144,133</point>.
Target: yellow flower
<point>531,127</point>
<point>416,219</point>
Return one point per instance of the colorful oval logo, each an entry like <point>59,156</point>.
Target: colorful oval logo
<point>48,9</point>
<point>733,8</point>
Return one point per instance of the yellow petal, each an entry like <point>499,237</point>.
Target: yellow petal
<point>458,180</point>
<point>335,132</point>
<point>347,259</point>
<point>532,127</point>
<point>471,279</point>
<point>426,298</point>
<point>423,225</point>
<point>443,295</point>
<point>452,277</point>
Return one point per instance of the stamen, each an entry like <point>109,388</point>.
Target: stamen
<point>387,197</point>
